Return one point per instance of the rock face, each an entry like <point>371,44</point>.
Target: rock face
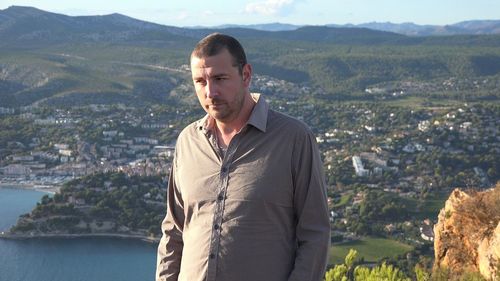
<point>467,235</point>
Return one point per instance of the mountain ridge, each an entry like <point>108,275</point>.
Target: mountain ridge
<point>27,24</point>
<point>468,27</point>
<point>471,27</point>
<point>53,57</point>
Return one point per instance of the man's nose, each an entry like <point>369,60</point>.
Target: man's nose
<point>211,90</point>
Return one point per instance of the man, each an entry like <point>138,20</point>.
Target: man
<point>246,195</point>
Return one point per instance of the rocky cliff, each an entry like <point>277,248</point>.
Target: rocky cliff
<point>467,235</point>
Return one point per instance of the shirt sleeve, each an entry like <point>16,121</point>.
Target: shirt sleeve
<point>171,244</point>
<point>311,211</point>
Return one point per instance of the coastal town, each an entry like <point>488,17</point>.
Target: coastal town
<point>379,140</point>
<point>406,118</point>
<point>402,158</point>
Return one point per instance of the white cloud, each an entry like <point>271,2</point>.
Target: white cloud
<point>268,8</point>
<point>182,15</point>
<point>208,13</point>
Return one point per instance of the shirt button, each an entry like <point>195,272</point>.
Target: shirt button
<point>211,256</point>
<point>216,226</point>
<point>220,197</point>
<point>224,169</point>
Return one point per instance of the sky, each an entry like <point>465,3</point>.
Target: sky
<point>184,13</point>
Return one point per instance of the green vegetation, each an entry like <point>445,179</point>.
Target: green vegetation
<point>115,201</point>
<point>428,206</point>
<point>344,200</point>
<point>99,64</point>
<point>352,269</point>
<point>486,207</point>
<point>369,249</point>
<point>348,271</point>
<point>361,92</point>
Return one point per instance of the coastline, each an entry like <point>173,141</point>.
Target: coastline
<point>51,189</point>
<point>8,235</point>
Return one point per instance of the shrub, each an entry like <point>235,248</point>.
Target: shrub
<point>346,272</point>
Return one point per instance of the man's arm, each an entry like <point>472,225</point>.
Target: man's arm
<point>171,244</point>
<point>311,210</point>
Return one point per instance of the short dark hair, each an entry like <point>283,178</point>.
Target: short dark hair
<point>215,43</point>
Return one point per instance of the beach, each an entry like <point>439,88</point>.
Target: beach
<point>47,188</point>
<point>8,235</point>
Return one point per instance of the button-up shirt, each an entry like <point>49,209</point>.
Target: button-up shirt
<point>258,212</point>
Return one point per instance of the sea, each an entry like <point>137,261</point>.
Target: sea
<point>60,259</point>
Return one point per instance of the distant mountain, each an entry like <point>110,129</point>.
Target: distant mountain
<point>480,26</point>
<point>323,34</point>
<point>408,28</point>
<point>265,27</point>
<point>473,27</point>
<point>28,27</point>
<point>58,59</point>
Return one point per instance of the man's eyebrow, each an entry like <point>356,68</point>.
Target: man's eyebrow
<point>218,75</point>
<point>213,76</point>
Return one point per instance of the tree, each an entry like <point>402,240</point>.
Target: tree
<point>346,272</point>
<point>46,199</point>
<point>421,274</point>
<point>342,272</point>
<point>382,272</point>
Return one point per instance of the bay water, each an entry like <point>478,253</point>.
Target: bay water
<point>59,259</point>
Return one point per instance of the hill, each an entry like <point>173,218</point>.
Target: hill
<point>31,28</point>
<point>57,59</point>
<point>472,27</point>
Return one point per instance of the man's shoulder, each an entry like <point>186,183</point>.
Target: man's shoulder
<point>279,121</point>
<point>192,129</point>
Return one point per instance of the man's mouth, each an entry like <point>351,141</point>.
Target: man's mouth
<point>215,104</point>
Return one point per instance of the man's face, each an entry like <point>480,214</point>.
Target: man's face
<point>219,86</point>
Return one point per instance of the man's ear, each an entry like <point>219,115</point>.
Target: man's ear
<point>247,74</point>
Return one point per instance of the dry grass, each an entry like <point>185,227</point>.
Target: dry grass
<point>483,207</point>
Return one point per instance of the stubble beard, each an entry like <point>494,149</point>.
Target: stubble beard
<point>228,111</point>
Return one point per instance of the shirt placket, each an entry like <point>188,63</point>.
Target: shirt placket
<point>219,209</point>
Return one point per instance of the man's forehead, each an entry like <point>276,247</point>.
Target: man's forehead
<point>211,53</point>
<point>221,57</point>
<point>201,66</point>
<point>207,71</point>
<point>211,65</point>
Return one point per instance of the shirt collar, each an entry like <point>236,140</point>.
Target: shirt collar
<point>258,117</point>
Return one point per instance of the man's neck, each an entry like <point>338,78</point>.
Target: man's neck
<point>227,130</point>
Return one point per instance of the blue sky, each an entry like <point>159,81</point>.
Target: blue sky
<point>312,12</point>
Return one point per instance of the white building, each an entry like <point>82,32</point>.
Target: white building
<point>22,158</point>
<point>424,125</point>
<point>6,110</point>
<point>65,152</point>
<point>358,167</point>
<point>110,133</point>
<point>61,146</point>
<point>16,170</point>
